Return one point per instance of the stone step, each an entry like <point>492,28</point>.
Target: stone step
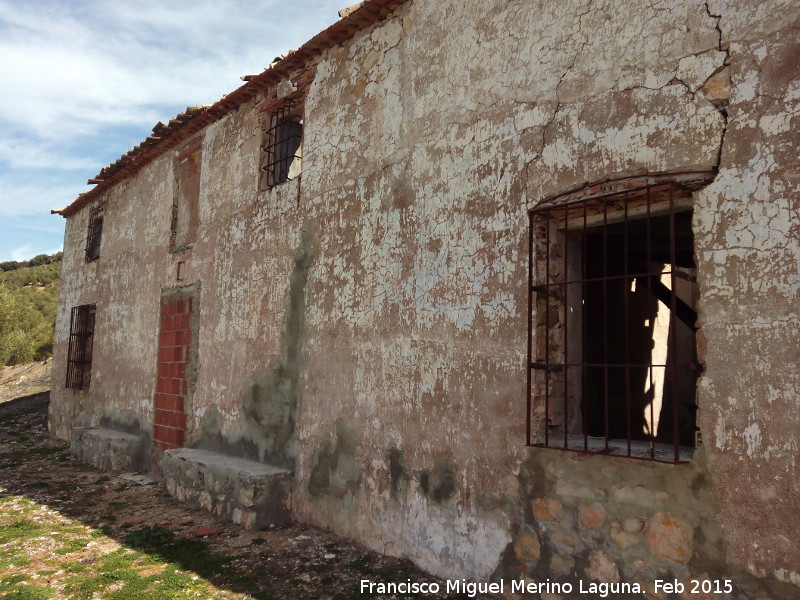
<point>108,449</point>
<point>252,494</point>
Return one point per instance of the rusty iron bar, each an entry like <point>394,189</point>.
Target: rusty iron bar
<point>565,277</point>
<point>673,329</point>
<point>547,340</point>
<point>626,329</point>
<point>606,423</point>
<point>652,325</point>
<point>611,452</point>
<point>621,365</point>
<point>584,420</point>
<point>530,328</point>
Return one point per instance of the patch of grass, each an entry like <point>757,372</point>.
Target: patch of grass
<point>65,486</point>
<point>74,545</point>
<point>195,556</point>
<point>75,568</point>
<point>150,537</point>
<point>119,576</point>
<point>103,479</point>
<point>20,531</point>
<point>34,485</point>
<point>15,557</point>
<point>89,585</point>
<point>361,564</point>
<point>26,592</point>
<point>320,567</point>
<point>121,559</point>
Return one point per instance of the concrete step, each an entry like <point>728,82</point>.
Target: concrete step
<point>252,494</point>
<point>108,449</point>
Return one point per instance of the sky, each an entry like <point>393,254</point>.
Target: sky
<point>83,82</point>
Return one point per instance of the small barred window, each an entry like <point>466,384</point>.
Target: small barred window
<point>282,146</point>
<point>81,336</point>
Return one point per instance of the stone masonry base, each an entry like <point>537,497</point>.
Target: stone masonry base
<point>108,449</point>
<point>249,493</point>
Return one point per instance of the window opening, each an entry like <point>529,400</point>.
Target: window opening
<point>79,356</point>
<point>185,204</point>
<point>282,148</point>
<point>94,234</point>
<point>612,322</point>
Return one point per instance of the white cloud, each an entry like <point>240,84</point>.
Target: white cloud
<point>76,74</point>
<point>20,153</point>
<point>22,253</point>
<point>73,68</point>
<point>36,197</point>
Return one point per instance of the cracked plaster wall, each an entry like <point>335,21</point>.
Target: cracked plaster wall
<point>749,227</point>
<point>459,116</point>
<point>427,138</point>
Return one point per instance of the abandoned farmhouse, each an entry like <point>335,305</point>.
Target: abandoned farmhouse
<point>506,288</point>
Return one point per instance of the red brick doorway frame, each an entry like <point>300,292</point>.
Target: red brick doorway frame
<point>175,360</point>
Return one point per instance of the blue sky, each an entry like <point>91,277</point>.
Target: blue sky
<point>82,82</point>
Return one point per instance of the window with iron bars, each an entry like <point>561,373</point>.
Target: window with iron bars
<point>282,147</point>
<point>612,321</point>
<point>94,234</point>
<point>79,357</point>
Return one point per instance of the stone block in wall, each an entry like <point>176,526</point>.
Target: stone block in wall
<point>108,449</point>
<point>252,494</point>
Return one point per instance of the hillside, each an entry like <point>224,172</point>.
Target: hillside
<point>28,301</point>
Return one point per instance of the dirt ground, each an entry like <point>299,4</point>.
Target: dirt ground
<point>80,533</point>
<point>25,380</point>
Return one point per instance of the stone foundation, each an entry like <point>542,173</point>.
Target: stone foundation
<point>108,449</point>
<point>249,493</point>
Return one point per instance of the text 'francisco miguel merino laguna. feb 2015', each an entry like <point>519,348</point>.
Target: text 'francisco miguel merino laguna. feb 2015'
<point>519,586</point>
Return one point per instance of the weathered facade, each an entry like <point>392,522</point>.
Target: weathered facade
<point>362,327</point>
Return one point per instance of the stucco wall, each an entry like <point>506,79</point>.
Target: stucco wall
<point>366,325</point>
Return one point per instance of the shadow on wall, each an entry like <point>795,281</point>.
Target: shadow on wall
<point>270,400</point>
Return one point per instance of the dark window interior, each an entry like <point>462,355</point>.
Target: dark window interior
<point>621,311</point>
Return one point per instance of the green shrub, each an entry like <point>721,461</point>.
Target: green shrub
<point>28,303</point>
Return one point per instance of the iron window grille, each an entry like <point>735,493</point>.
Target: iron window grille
<point>282,160</point>
<point>94,234</point>
<point>611,324</point>
<point>81,336</point>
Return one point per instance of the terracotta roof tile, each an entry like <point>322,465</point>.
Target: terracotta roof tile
<point>195,118</point>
